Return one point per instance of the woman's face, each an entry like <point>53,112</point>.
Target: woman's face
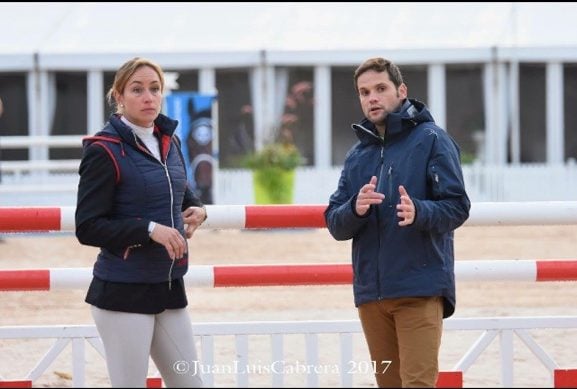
<point>141,99</point>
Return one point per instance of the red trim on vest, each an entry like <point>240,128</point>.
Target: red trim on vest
<point>111,155</point>
<point>164,143</point>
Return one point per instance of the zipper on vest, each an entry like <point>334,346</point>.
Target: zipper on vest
<point>166,172</point>
<point>169,275</point>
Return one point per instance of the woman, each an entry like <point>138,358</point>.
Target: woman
<point>135,205</point>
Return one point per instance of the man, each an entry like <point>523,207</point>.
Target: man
<point>400,196</point>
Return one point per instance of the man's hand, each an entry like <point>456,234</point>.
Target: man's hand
<point>367,197</point>
<point>405,208</point>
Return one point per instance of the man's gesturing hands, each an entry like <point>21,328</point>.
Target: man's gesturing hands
<point>367,197</point>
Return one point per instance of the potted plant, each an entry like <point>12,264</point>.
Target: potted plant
<point>273,169</point>
<point>274,165</point>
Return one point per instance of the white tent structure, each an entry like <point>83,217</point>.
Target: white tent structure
<point>43,38</point>
<point>108,28</point>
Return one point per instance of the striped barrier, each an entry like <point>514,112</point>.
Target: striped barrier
<point>47,219</point>
<point>151,382</point>
<point>287,275</point>
<point>15,383</point>
<point>565,378</point>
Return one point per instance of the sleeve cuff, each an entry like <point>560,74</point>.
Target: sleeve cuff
<point>151,226</point>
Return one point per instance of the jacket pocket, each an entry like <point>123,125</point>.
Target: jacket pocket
<point>128,250</point>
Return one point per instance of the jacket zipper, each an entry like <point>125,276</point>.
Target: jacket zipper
<point>390,184</point>
<point>382,163</point>
<point>171,219</point>
<point>379,223</point>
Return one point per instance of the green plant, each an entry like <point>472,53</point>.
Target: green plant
<point>467,158</point>
<point>281,155</point>
<point>273,169</point>
<point>273,166</point>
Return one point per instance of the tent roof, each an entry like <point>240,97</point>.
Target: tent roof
<point>120,28</point>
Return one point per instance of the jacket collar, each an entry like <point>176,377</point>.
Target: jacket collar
<point>163,126</point>
<point>410,114</point>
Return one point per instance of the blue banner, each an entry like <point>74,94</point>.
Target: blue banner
<point>195,130</point>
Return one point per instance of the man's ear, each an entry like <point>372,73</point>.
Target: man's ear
<point>403,91</point>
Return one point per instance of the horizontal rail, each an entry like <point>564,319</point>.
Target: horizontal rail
<point>53,164</point>
<point>25,141</point>
<point>47,219</point>
<point>291,275</point>
<point>19,189</point>
<point>302,327</point>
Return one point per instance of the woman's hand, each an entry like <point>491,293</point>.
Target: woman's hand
<point>193,218</point>
<point>171,239</point>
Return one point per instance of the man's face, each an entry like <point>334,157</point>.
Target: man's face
<point>378,95</point>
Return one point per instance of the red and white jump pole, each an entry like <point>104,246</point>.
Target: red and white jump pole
<point>46,219</point>
<point>36,219</point>
<point>290,275</point>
